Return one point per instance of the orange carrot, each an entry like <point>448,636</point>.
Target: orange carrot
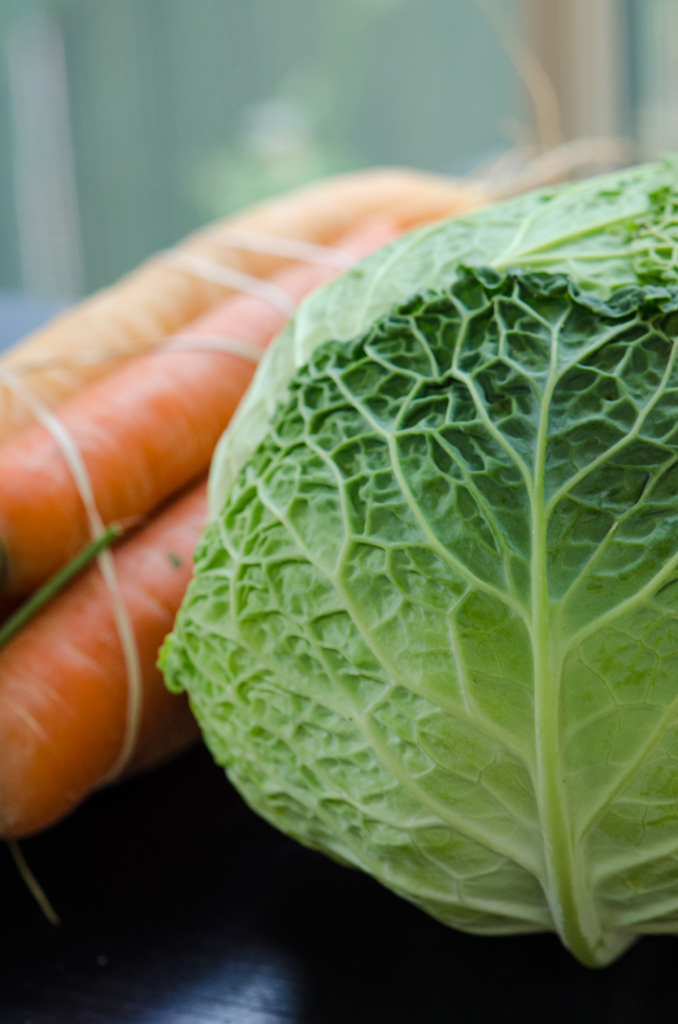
<point>63,686</point>
<point>144,432</point>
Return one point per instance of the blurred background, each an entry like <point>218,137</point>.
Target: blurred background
<point>126,123</point>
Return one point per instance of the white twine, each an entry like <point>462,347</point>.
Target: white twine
<point>275,245</point>
<point>212,343</point>
<point>175,343</point>
<point>31,883</point>
<point>87,357</point>
<point>123,622</point>
<point>230,278</point>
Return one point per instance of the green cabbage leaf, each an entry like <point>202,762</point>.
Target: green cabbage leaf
<point>433,628</point>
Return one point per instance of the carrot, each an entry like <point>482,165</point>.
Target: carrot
<point>133,316</point>
<point>63,687</point>
<point>144,432</point>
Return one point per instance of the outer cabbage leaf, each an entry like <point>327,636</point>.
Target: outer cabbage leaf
<point>607,232</point>
<point>433,626</point>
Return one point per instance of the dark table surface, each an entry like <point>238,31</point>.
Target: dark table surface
<point>180,906</point>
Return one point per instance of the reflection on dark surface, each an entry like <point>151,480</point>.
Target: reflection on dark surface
<point>181,907</point>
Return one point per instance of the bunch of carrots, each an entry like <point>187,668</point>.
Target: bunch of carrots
<point>145,418</point>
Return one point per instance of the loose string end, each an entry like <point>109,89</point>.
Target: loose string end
<point>32,884</point>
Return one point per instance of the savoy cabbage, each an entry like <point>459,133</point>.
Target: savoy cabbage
<point>433,628</point>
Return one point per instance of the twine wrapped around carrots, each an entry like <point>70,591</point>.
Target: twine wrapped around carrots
<point>72,457</point>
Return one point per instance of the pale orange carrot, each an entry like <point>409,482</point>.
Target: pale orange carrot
<point>132,316</point>
<point>63,685</point>
<point>144,432</point>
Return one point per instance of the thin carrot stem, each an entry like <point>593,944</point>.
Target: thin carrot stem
<point>50,589</point>
<point>32,883</point>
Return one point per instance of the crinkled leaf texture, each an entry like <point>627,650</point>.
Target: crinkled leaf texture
<point>433,626</point>
<point>606,233</point>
